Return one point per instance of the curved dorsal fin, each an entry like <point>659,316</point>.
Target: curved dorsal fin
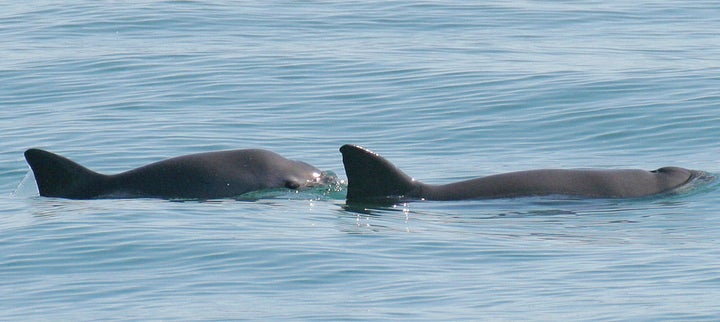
<point>372,178</point>
<point>57,176</point>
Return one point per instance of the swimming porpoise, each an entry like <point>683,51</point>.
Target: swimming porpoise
<point>372,178</point>
<point>208,175</point>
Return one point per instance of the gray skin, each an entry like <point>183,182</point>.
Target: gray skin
<point>209,175</point>
<point>373,178</point>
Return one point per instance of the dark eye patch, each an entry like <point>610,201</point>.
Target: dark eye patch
<point>292,185</point>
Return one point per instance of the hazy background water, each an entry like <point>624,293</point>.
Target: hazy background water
<point>446,90</point>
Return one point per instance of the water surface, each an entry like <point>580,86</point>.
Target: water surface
<point>445,90</point>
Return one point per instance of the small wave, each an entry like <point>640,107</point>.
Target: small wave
<point>701,182</point>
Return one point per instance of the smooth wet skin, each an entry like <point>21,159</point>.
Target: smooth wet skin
<point>196,176</point>
<point>372,178</point>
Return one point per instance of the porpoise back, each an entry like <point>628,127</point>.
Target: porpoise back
<point>196,176</point>
<point>372,178</point>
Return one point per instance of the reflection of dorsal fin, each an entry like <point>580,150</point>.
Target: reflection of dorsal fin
<point>371,177</point>
<point>57,176</point>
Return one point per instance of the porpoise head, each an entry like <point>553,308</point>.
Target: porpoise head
<point>301,175</point>
<point>673,177</point>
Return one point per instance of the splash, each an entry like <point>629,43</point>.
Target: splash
<point>26,188</point>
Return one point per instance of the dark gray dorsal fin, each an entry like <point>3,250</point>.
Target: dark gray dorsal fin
<point>372,178</point>
<point>57,176</point>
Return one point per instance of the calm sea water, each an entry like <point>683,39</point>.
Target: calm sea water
<point>446,90</point>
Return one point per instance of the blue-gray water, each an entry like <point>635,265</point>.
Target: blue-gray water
<point>446,90</point>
